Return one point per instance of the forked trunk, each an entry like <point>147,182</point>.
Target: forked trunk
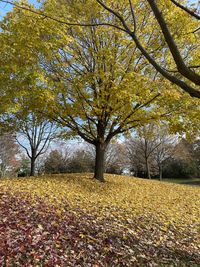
<point>99,162</point>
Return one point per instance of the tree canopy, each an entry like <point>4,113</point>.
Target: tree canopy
<point>172,23</point>
<point>93,80</point>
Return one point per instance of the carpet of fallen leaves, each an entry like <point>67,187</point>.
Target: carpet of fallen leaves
<point>72,220</point>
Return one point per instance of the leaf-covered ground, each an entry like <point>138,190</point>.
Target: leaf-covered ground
<point>72,220</point>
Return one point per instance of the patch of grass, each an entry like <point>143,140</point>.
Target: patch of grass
<point>192,181</point>
<point>73,220</point>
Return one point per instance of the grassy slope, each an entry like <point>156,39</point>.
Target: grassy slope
<point>124,222</point>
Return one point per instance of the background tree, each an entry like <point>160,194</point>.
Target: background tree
<point>134,158</point>
<point>165,149</point>
<point>196,151</point>
<point>150,147</point>
<point>115,158</point>
<point>8,152</point>
<point>57,162</point>
<point>182,162</point>
<point>186,158</point>
<point>34,135</point>
<point>179,168</point>
<point>184,150</point>
<point>81,161</point>
<point>140,153</point>
<point>147,142</point>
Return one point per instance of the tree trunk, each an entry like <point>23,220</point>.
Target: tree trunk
<point>160,172</point>
<point>99,162</point>
<point>148,169</point>
<point>32,173</point>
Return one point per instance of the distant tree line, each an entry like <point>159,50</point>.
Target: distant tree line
<point>150,152</point>
<point>179,160</point>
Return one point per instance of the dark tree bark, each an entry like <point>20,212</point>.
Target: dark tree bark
<point>189,11</point>
<point>181,66</point>
<point>99,162</point>
<point>32,172</point>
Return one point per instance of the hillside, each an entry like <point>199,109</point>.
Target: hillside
<point>72,220</point>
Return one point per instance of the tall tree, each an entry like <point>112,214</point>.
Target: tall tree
<point>91,79</point>
<point>98,94</point>
<point>114,156</point>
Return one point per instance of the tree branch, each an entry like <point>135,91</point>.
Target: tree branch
<point>183,69</point>
<point>133,15</point>
<point>187,88</point>
<point>44,15</point>
<point>192,13</point>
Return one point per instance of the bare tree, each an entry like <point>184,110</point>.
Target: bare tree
<point>184,150</point>
<point>148,150</point>
<point>165,149</point>
<point>134,158</point>
<point>115,157</point>
<point>34,136</point>
<point>148,143</point>
<point>140,153</point>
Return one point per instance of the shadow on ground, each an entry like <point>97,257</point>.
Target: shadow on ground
<point>192,183</point>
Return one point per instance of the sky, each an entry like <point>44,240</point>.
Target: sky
<point>4,8</point>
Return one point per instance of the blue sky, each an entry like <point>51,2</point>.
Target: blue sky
<point>4,8</point>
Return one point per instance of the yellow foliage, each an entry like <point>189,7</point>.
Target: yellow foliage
<point>121,198</point>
